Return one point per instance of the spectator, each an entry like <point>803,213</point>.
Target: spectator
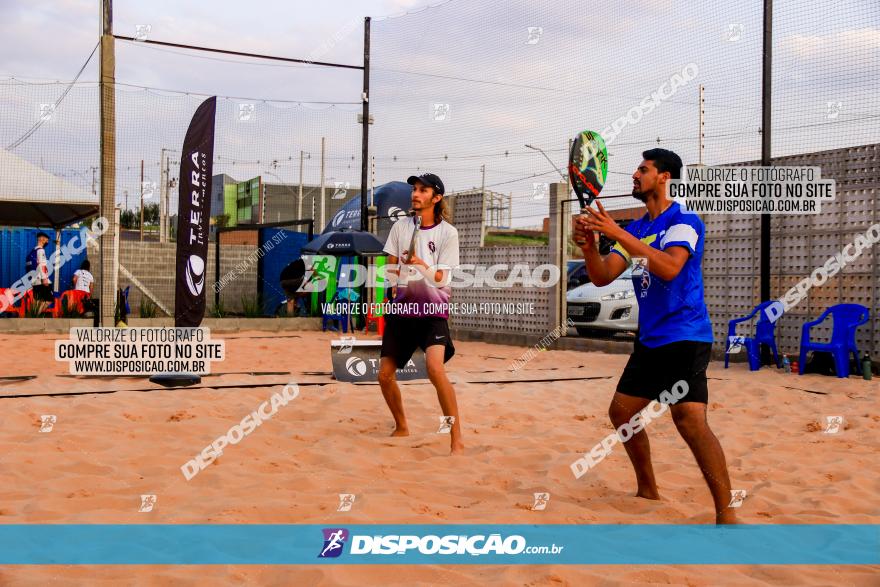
<point>36,261</point>
<point>83,280</point>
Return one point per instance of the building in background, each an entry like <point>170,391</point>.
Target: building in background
<point>255,200</point>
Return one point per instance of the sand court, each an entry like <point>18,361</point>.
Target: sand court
<point>522,430</point>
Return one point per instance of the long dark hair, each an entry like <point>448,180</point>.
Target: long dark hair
<point>441,210</point>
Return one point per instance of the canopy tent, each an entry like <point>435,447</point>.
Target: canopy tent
<point>31,196</point>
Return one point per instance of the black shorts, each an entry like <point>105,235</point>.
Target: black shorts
<point>404,334</point>
<point>651,371</point>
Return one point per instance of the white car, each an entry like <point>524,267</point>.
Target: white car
<point>605,310</point>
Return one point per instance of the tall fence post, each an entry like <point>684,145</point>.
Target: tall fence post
<point>109,239</point>
<point>560,230</point>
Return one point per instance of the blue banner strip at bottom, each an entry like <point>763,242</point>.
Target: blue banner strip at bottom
<point>294,544</point>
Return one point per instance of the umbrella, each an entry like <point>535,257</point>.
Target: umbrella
<point>392,201</point>
<point>345,242</point>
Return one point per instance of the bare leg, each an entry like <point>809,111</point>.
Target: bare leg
<point>445,393</point>
<point>638,449</point>
<point>391,393</point>
<point>690,419</point>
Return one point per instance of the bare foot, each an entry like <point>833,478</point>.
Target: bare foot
<point>648,494</point>
<point>726,517</point>
<point>457,448</point>
<point>400,432</point>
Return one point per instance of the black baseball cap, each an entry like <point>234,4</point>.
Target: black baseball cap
<point>44,235</point>
<point>428,179</point>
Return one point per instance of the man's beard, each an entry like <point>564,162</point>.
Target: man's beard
<point>640,196</point>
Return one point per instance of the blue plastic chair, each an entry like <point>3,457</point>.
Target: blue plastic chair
<point>340,317</point>
<point>765,333</point>
<point>847,319</point>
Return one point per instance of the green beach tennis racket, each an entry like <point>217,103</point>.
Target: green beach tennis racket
<point>588,166</point>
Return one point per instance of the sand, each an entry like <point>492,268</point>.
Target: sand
<point>106,450</point>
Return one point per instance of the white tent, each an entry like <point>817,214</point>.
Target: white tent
<point>31,196</point>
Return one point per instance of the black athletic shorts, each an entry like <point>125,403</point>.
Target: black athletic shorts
<point>651,371</point>
<point>404,334</point>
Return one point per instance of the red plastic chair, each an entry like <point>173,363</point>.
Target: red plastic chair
<point>28,299</point>
<point>6,295</point>
<point>379,319</point>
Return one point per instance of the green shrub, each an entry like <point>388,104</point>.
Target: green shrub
<point>250,306</point>
<point>218,311</point>
<point>147,308</point>
<point>35,309</point>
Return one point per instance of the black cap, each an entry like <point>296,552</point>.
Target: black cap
<point>428,179</point>
<point>44,235</point>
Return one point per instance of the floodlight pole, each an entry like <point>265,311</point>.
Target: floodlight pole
<point>365,134</point>
<point>107,241</point>
<point>766,153</point>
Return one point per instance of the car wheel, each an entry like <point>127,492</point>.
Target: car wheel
<point>594,332</point>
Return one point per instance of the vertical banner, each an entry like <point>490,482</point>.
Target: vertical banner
<point>194,216</point>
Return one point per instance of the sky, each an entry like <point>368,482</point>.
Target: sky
<point>457,87</point>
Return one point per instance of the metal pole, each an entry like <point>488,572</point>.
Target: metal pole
<point>299,213</point>
<point>217,269</point>
<point>107,241</point>
<point>372,178</point>
<point>766,154</point>
<point>483,204</point>
<point>365,136</point>
<point>321,211</point>
<point>163,184</point>
<point>142,201</point>
<point>167,197</point>
<point>57,268</point>
<point>702,123</point>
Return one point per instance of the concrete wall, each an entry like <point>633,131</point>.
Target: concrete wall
<point>799,244</point>
<point>468,218</point>
<point>153,264</point>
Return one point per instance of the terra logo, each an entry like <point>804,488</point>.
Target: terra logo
<point>334,541</point>
<point>356,366</point>
<point>337,220</point>
<point>195,274</point>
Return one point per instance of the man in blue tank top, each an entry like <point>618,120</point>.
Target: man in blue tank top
<point>674,344</point>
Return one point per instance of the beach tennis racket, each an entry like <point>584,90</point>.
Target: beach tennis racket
<point>412,241</point>
<point>588,166</point>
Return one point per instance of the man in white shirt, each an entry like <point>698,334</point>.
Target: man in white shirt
<point>418,319</point>
<point>36,261</point>
<point>83,280</point>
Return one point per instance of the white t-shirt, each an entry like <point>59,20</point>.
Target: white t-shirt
<point>83,280</point>
<point>437,246</point>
